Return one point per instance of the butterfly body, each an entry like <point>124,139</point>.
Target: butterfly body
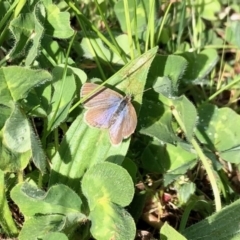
<point>109,109</point>
<point>120,109</point>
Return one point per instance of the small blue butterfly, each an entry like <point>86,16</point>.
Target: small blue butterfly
<point>109,109</point>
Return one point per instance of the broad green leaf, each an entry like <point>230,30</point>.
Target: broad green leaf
<point>102,52</point>
<point>169,233</point>
<point>164,85</point>
<point>187,114</point>
<point>58,200</point>
<point>230,34</point>
<point>222,225</point>
<point>158,163</point>
<point>12,161</point>
<point>81,76</point>
<point>35,36</point>
<point>112,222</point>
<point>54,236</point>
<point>6,220</point>
<point>63,92</point>
<point>19,137</point>
<point>17,131</point>
<point>27,31</point>
<point>69,164</point>
<point>16,82</point>
<point>199,65</point>
<point>108,187</point>
<point>165,74</point>
<point>57,24</point>
<point>219,130</point>
<point>5,112</point>
<point>172,66</point>
<point>38,100</point>
<point>156,121</point>
<point>42,99</point>
<point>107,181</point>
<point>131,167</point>
<point>208,9</point>
<point>185,191</point>
<point>41,226</point>
<point>132,77</point>
<point>53,51</point>
<point>172,161</point>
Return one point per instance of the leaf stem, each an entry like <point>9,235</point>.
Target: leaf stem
<point>204,161</point>
<point>210,174</point>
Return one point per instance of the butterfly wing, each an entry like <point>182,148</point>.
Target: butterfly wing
<point>104,112</point>
<point>124,125</point>
<point>130,121</point>
<point>104,97</point>
<point>100,117</point>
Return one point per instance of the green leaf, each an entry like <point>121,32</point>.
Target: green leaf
<point>64,90</point>
<point>40,227</point>
<point>58,200</point>
<point>57,23</point>
<point>18,136</point>
<point>172,161</point>
<point>12,161</point>
<point>107,181</point>
<point>199,65</point>
<point>54,236</point>
<point>69,164</point>
<point>219,130</point>
<point>27,31</point>
<point>156,121</point>
<point>102,52</point>
<point>53,53</point>
<point>187,114</point>
<point>208,9</point>
<point>108,187</point>
<point>16,82</point>
<point>131,167</point>
<point>172,67</point>
<point>169,233</point>
<point>185,191</point>
<point>166,73</point>
<point>5,112</point>
<point>164,85</point>
<point>230,34</point>
<point>221,225</point>
<point>6,220</point>
<point>16,132</point>
<point>112,222</point>
<point>38,100</point>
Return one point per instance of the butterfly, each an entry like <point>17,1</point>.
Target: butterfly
<point>108,109</point>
